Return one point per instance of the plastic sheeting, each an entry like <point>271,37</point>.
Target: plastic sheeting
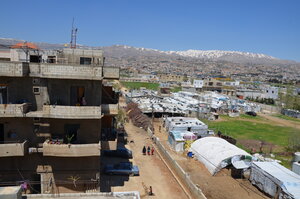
<point>275,179</point>
<point>215,153</point>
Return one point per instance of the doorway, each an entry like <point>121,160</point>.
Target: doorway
<point>77,96</point>
<point>1,133</point>
<point>3,95</point>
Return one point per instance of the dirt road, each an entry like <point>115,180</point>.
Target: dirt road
<point>153,172</point>
<point>281,122</point>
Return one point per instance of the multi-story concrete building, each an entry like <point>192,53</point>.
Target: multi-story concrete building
<point>171,78</point>
<point>53,109</point>
<point>212,84</point>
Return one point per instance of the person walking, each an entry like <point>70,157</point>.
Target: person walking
<point>152,151</point>
<point>148,150</point>
<point>144,150</point>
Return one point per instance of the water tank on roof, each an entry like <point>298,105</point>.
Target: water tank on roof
<point>296,157</point>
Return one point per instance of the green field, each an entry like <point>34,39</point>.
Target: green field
<point>176,89</point>
<point>257,128</point>
<point>253,130</point>
<point>147,85</point>
<point>137,85</point>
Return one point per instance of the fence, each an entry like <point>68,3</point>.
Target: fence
<point>185,177</point>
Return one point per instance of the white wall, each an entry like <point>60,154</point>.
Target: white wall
<point>198,83</point>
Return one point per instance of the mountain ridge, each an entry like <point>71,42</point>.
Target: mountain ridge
<point>205,55</point>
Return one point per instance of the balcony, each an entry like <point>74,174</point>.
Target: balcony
<point>71,150</point>
<point>72,112</point>
<point>14,69</point>
<point>68,112</point>
<point>66,71</point>
<point>111,73</point>
<point>9,149</point>
<point>110,109</point>
<point>14,110</point>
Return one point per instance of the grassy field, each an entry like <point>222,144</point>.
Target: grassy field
<point>248,128</point>
<point>147,85</point>
<point>254,130</point>
<point>176,89</point>
<point>287,117</point>
<point>137,85</point>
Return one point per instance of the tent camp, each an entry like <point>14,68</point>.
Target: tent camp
<point>216,153</point>
<point>275,180</point>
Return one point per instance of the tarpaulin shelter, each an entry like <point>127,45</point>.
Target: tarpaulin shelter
<point>275,180</point>
<point>215,153</point>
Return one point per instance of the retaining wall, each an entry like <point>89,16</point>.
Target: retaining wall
<point>185,177</point>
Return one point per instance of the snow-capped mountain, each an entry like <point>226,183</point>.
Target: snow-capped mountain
<point>127,52</point>
<point>214,54</point>
<point>123,51</point>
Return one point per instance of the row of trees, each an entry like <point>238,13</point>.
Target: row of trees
<point>289,100</point>
<point>268,101</point>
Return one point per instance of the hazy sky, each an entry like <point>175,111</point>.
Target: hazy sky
<point>271,27</point>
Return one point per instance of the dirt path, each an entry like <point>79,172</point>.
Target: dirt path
<point>281,122</point>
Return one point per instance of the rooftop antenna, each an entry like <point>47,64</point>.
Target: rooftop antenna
<point>73,36</point>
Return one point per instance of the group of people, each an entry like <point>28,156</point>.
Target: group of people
<point>148,150</point>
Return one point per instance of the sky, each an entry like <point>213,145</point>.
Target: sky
<point>270,27</point>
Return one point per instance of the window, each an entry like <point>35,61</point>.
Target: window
<point>85,61</point>
<point>51,59</point>
<point>36,90</point>
<point>35,58</point>
<point>35,81</point>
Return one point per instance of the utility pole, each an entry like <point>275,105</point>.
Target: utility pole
<point>73,36</point>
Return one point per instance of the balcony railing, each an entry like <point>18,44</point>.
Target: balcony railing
<point>56,70</point>
<point>66,71</point>
<point>72,112</point>
<point>14,69</point>
<point>110,109</point>
<point>111,72</point>
<point>11,149</point>
<point>71,150</point>
<point>14,110</point>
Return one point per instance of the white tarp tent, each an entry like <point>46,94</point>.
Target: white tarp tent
<point>215,153</point>
<point>275,180</point>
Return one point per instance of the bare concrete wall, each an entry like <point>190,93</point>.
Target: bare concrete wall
<point>60,91</point>
<point>90,130</point>
<point>19,90</point>
<point>20,168</point>
<point>18,129</point>
<point>23,129</point>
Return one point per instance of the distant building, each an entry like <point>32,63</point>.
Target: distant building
<point>212,84</point>
<point>198,83</point>
<point>170,78</point>
<point>270,92</point>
